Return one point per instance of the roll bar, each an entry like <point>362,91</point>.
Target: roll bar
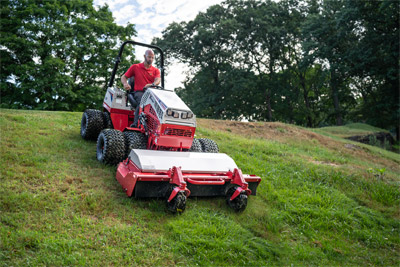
<point>118,60</point>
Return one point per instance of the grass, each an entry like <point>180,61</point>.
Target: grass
<point>319,203</point>
<point>351,129</point>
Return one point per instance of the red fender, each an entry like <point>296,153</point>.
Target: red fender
<point>177,178</point>
<point>238,179</point>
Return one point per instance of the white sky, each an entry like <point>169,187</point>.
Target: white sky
<point>151,17</point>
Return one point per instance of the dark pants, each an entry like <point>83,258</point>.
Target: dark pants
<point>137,96</point>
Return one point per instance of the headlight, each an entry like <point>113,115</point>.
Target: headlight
<point>184,115</point>
<point>190,115</point>
<point>169,112</point>
<point>176,114</point>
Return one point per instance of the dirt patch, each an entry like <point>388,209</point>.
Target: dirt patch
<point>351,146</point>
<point>276,131</point>
<point>266,130</point>
<point>325,163</point>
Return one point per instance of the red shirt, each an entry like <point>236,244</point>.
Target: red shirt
<point>142,75</point>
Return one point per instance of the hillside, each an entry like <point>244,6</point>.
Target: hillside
<point>322,201</point>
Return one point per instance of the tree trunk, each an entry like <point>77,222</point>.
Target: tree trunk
<point>335,97</point>
<point>269,109</point>
<point>309,119</point>
<point>396,92</point>
<point>306,100</point>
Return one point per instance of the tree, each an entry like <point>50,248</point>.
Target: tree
<point>261,39</point>
<point>313,62</point>
<point>57,55</point>
<point>205,45</point>
<point>326,42</point>
<point>374,60</point>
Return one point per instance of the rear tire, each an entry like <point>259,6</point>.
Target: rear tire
<point>238,204</point>
<point>178,203</point>
<point>134,140</point>
<point>208,145</point>
<point>196,146</point>
<point>107,121</point>
<point>110,147</point>
<point>91,124</point>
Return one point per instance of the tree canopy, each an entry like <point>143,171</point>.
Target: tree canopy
<point>58,55</point>
<point>310,62</point>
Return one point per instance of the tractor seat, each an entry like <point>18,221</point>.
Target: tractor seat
<point>132,101</point>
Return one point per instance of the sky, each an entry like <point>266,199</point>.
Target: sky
<point>151,17</point>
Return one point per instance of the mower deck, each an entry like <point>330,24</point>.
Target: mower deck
<point>148,173</point>
<point>192,162</point>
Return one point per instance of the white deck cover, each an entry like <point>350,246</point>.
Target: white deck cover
<point>196,162</point>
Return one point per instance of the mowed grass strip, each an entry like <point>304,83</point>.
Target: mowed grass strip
<point>315,206</point>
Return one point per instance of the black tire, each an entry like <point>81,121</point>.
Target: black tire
<point>208,145</point>
<point>196,146</point>
<point>91,124</point>
<point>107,123</point>
<point>238,204</point>
<point>178,203</point>
<point>134,140</point>
<point>110,147</point>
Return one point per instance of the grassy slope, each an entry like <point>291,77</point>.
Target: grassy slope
<point>351,129</point>
<point>320,202</point>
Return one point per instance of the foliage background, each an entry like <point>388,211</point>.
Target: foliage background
<point>58,55</point>
<point>311,63</point>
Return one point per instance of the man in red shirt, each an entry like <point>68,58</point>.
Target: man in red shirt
<point>145,75</point>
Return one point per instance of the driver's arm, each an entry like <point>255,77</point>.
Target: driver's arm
<point>156,82</point>
<point>125,83</point>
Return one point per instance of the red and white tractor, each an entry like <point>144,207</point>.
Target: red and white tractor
<point>161,157</point>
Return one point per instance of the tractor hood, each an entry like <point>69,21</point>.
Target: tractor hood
<point>164,100</point>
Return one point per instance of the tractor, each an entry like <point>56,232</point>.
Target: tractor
<point>161,157</point>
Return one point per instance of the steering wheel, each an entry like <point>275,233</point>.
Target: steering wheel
<point>153,86</point>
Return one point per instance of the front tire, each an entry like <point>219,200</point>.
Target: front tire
<point>91,124</point>
<point>208,145</point>
<point>110,147</point>
<point>196,146</point>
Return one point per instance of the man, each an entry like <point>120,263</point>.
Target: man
<point>145,75</point>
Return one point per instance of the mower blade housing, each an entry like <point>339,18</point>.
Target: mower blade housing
<point>149,173</point>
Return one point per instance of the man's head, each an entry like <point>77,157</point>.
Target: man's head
<point>149,57</point>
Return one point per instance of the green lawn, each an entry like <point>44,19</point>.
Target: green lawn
<point>319,203</point>
<point>351,129</point>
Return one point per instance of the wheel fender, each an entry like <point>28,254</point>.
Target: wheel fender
<point>237,193</point>
<point>174,193</point>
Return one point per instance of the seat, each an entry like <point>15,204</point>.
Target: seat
<point>131,99</point>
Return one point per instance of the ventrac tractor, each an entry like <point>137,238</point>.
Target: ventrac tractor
<point>161,157</point>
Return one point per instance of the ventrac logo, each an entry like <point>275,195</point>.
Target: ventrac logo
<point>164,107</point>
<point>156,106</point>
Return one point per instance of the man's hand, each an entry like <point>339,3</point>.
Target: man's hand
<point>125,83</point>
<point>127,86</point>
